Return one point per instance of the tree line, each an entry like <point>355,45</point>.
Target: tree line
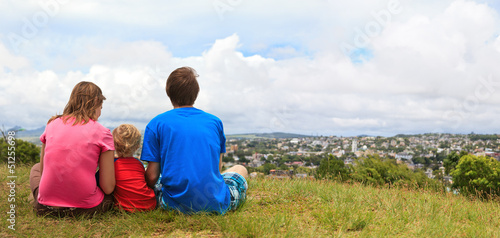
<point>472,176</point>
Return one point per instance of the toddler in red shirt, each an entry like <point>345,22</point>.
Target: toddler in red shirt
<point>131,191</point>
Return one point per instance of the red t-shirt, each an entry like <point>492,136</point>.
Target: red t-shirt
<point>131,191</point>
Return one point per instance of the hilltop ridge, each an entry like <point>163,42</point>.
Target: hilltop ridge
<point>284,208</point>
<point>275,135</point>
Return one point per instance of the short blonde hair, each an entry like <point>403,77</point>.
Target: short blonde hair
<point>127,139</point>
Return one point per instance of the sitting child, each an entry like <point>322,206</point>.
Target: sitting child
<point>131,192</point>
<point>185,146</point>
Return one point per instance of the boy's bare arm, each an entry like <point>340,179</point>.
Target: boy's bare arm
<point>220,164</point>
<point>152,173</point>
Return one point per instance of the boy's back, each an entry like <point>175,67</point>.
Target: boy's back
<point>187,143</point>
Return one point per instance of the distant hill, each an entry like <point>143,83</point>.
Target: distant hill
<point>33,136</point>
<point>363,135</point>
<point>21,133</point>
<point>27,133</point>
<point>276,135</point>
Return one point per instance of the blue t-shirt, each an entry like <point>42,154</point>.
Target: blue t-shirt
<point>187,142</point>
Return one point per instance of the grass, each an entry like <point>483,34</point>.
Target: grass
<point>278,208</point>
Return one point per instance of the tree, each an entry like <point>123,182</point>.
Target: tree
<point>252,144</point>
<point>475,137</point>
<point>477,176</point>
<point>268,167</point>
<point>333,168</point>
<point>24,152</point>
<point>227,159</point>
<point>442,156</point>
<point>304,170</point>
<point>451,161</point>
<point>240,154</point>
<point>283,167</point>
<point>418,160</point>
<point>438,175</point>
<point>376,171</point>
<point>317,148</point>
<point>243,160</point>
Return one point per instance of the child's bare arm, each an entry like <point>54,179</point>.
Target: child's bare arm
<point>107,180</point>
<point>42,154</point>
<point>152,173</point>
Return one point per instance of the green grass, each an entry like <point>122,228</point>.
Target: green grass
<point>279,208</point>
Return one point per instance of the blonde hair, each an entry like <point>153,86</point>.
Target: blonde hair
<point>127,139</point>
<point>85,99</point>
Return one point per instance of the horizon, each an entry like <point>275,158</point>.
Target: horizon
<point>299,134</point>
<point>337,67</point>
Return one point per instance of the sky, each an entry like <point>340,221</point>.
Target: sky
<point>338,67</point>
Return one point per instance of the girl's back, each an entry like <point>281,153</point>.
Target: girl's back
<point>70,162</point>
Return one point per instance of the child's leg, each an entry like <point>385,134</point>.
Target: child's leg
<point>104,206</point>
<point>35,176</point>
<point>238,187</point>
<point>240,169</point>
<point>158,193</point>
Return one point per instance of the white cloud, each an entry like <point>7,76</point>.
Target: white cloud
<point>497,43</point>
<point>11,62</point>
<point>427,72</point>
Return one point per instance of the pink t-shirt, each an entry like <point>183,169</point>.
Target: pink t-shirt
<point>70,162</point>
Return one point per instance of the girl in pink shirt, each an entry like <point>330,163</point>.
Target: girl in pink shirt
<point>74,145</point>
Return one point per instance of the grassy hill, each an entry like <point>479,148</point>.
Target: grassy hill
<point>279,208</point>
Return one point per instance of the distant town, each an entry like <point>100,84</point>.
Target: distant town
<point>425,152</point>
<point>301,153</point>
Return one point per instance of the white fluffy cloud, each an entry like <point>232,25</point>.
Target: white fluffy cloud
<point>423,71</point>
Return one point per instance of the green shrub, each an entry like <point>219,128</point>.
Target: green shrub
<point>333,168</point>
<point>451,161</point>
<point>263,168</point>
<point>376,171</point>
<point>25,152</point>
<point>478,176</point>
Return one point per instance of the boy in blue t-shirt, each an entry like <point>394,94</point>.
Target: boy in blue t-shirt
<point>185,145</point>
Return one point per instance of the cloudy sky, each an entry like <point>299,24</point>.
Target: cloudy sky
<point>338,67</point>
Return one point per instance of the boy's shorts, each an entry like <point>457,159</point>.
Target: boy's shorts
<point>236,183</point>
<point>237,187</point>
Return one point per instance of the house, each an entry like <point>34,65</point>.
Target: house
<point>301,175</point>
<point>348,161</point>
<point>429,174</point>
<point>273,173</point>
<point>256,174</point>
<point>404,155</point>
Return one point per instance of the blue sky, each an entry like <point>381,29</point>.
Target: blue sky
<point>316,67</point>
